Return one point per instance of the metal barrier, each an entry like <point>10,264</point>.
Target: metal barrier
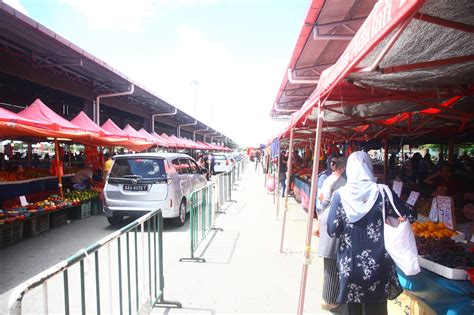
<point>201,219</point>
<point>224,189</point>
<point>123,272</point>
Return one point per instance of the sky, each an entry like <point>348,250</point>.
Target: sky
<point>237,51</point>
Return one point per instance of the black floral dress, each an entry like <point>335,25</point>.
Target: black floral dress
<point>366,271</point>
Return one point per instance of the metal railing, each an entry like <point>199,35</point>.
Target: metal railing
<point>123,272</point>
<point>201,218</point>
<point>223,189</point>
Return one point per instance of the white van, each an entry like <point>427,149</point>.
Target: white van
<point>140,183</point>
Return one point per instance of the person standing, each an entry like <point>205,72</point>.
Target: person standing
<point>282,169</point>
<point>367,274</point>
<point>108,163</point>
<point>327,245</point>
<point>212,164</point>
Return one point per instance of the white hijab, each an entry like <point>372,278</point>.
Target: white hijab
<point>360,192</point>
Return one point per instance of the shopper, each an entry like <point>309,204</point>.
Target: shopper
<point>108,163</point>
<point>328,245</point>
<point>367,275</point>
<point>282,169</point>
<point>212,164</point>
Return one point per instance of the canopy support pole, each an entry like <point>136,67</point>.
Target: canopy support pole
<point>288,181</point>
<point>451,151</point>
<point>60,179</point>
<point>385,162</point>
<point>312,200</point>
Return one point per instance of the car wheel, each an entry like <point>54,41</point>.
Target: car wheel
<point>115,220</point>
<point>181,219</point>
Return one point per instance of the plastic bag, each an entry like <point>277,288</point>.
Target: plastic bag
<point>399,239</point>
<point>270,184</point>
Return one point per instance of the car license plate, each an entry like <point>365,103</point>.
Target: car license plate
<point>135,187</point>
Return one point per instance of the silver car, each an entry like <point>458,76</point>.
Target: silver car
<point>140,183</point>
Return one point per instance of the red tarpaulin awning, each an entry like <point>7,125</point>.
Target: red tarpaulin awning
<point>85,123</point>
<point>42,113</point>
<point>133,134</point>
<point>162,139</point>
<point>151,138</point>
<point>8,116</point>
<point>111,127</point>
<point>183,144</point>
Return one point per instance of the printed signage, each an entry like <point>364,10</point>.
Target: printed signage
<point>433,211</point>
<point>413,198</point>
<point>397,187</point>
<point>445,211</point>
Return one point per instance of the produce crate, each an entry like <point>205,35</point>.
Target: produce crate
<point>11,233</point>
<point>36,224</point>
<point>96,206</point>
<point>450,273</point>
<point>58,219</point>
<point>81,211</point>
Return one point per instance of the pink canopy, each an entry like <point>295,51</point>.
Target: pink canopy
<point>153,139</point>
<point>174,142</point>
<point>111,127</point>
<point>40,112</point>
<point>8,116</point>
<point>161,138</point>
<point>182,143</point>
<point>84,122</point>
<point>133,133</point>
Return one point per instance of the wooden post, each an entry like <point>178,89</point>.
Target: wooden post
<point>385,162</point>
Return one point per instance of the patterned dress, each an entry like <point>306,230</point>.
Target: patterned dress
<point>366,272</point>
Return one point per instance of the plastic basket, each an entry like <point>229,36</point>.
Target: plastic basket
<point>96,206</point>
<point>81,211</point>
<point>58,219</point>
<point>36,224</point>
<point>11,233</point>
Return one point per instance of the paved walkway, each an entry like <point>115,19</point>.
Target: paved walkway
<point>245,272</point>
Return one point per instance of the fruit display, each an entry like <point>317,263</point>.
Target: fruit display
<point>83,195</point>
<point>31,173</point>
<point>432,230</point>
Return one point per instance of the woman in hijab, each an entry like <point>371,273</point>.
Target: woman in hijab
<point>367,274</point>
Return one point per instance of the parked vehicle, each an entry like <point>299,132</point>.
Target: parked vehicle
<point>140,183</point>
<point>224,162</point>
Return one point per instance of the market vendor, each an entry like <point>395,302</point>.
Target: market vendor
<point>83,178</point>
<point>444,182</point>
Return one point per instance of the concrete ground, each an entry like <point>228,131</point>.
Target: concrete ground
<point>244,271</point>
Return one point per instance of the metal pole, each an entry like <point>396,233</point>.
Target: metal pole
<point>312,199</point>
<point>288,176</point>
<point>385,162</point>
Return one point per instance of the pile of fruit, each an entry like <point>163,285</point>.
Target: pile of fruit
<point>54,202</point>
<point>30,173</point>
<point>432,230</point>
<point>445,252</point>
<point>83,195</point>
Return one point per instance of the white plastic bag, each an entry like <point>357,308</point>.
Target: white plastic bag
<point>399,239</point>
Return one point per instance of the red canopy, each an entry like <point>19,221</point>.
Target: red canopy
<point>132,133</point>
<point>153,139</point>
<point>111,127</point>
<point>40,112</point>
<point>8,116</point>
<point>84,122</point>
<point>206,146</point>
<point>182,143</point>
<point>162,139</point>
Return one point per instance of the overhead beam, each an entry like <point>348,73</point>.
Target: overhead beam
<point>427,64</point>
<point>442,22</point>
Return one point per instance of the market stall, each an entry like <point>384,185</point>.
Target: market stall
<point>32,200</point>
<point>406,74</point>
